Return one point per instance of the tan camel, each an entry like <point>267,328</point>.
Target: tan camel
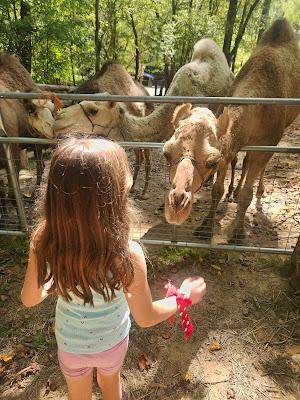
<point>114,79</point>
<point>21,117</point>
<point>207,74</point>
<point>197,149</point>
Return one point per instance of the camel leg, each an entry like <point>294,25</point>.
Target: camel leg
<point>242,178</point>
<point>205,231</point>
<point>260,190</point>
<point>40,166</point>
<point>231,186</point>
<point>144,195</point>
<point>295,264</point>
<point>137,165</point>
<point>255,166</point>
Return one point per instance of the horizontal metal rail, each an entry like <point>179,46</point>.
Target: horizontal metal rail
<point>224,247</point>
<point>155,99</point>
<point>150,145</point>
<point>208,246</point>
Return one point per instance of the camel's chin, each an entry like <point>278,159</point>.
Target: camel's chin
<point>175,217</point>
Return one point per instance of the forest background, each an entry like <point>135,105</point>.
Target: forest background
<point>67,41</point>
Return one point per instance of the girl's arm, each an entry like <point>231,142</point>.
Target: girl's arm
<point>144,310</point>
<point>31,293</point>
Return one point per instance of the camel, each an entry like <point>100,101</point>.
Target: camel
<point>114,79</point>
<point>21,117</point>
<point>202,145</point>
<point>207,74</point>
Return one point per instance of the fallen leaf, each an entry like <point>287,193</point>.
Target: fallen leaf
<point>50,386</point>
<point>21,350</point>
<point>165,334</point>
<point>216,267</point>
<point>188,377</point>
<point>7,358</point>
<point>144,362</point>
<point>214,346</point>
<point>294,349</point>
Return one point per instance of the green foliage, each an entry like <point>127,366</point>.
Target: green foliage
<point>63,32</point>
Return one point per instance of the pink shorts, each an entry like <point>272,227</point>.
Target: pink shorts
<point>76,365</point>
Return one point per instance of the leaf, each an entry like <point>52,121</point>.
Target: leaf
<point>216,267</point>
<point>144,362</point>
<point>214,346</point>
<point>188,377</point>
<point>7,358</point>
<point>165,334</point>
<point>21,350</point>
<point>50,386</point>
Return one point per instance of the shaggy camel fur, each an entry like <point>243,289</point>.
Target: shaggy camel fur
<point>113,79</point>
<point>273,70</point>
<point>17,117</point>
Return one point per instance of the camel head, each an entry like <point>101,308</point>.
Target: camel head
<point>192,155</point>
<point>41,116</point>
<point>98,117</point>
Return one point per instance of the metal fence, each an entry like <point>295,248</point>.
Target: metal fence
<point>273,227</point>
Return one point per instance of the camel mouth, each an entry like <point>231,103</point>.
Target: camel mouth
<point>177,214</point>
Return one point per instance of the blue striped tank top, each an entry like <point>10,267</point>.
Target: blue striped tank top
<point>86,329</point>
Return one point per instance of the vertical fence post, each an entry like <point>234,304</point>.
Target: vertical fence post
<point>16,187</point>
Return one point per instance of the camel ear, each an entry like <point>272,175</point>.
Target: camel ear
<point>29,105</point>
<point>180,113</point>
<point>112,104</point>
<point>223,122</point>
<point>90,108</point>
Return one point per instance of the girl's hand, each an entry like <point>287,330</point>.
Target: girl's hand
<point>194,288</point>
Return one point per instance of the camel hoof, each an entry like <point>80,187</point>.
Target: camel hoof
<point>238,237</point>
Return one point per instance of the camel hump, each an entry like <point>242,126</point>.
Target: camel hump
<point>279,32</point>
<point>206,48</point>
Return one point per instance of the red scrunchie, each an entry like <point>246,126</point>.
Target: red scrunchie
<point>182,303</point>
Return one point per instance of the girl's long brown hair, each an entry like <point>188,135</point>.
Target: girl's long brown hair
<point>81,241</point>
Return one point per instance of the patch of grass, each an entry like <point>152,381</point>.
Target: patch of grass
<point>172,255</point>
<point>14,246</point>
<point>279,263</point>
<point>39,339</point>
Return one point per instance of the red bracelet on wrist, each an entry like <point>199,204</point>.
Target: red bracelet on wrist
<point>182,303</point>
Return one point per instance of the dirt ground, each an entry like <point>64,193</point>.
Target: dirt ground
<point>245,344</point>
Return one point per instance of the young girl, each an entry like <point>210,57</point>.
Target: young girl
<point>80,251</point>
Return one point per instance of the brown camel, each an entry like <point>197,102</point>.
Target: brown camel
<point>195,150</point>
<point>20,117</point>
<point>114,79</point>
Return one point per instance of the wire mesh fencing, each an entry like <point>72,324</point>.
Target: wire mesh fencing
<point>271,224</point>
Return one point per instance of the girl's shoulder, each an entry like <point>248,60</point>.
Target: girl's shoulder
<point>137,257</point>
<point>135,248</point>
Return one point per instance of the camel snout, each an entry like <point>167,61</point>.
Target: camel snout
<point>179,199</point>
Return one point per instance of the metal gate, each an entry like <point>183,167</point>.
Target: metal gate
<point>273,227</point>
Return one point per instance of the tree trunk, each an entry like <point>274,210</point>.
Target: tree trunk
<point>230,20</point>
<point>295,263</point>
<point>264,18</point>
<point>243,24</point>
<point>24,32</point>
<point>97,38</point>
<point>72,64</point>
<point>136,45</point>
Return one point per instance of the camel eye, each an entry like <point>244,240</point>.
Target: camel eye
<point>92,111</point>
<point>167,156</point>
<point>211,164</point>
